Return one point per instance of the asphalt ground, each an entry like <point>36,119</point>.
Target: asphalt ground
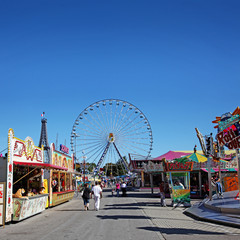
<point>137,216</point>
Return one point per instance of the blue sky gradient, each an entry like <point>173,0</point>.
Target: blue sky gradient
<point>177,61</point>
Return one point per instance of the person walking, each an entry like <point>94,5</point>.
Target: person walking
<point>97,192</point>
<point>117,188</point>
<point>219,187</point>
<point>87,194</point>
<point>162,194</point>
<point>124,189</point>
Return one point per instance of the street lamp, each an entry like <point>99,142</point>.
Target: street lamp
<point>84,165</point>
<point>75,150</point>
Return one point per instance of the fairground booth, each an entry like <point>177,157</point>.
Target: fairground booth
<point>22,172</point>
<point>178,175</point>
<point>61,185</point>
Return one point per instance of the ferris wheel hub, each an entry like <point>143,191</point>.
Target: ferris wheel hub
<point>111,137</point>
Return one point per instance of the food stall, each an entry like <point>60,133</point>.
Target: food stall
<point>61,187</point>
<point>23,175</point>
<point>178,174</point>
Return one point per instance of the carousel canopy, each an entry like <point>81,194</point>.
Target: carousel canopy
<point>171,155</point>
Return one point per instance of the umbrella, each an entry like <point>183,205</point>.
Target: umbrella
<point>196,157</point>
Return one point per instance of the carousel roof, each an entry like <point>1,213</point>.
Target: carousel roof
<point>170,155</point>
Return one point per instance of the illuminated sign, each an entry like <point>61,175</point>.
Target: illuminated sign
<point>64,149</point>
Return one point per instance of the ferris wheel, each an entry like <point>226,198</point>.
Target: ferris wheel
<point>108,130</point>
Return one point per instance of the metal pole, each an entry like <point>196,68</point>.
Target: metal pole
<point>209,177</point>
<point>200,181</point>
<point>84,165</point>
<point>151,182</point>
<point>238,172</point>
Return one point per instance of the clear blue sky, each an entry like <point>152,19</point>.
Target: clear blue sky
<point>177,61</point>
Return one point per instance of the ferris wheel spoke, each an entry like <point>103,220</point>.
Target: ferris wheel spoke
<point>145,144</point>
<point>135,147</point>
<point>115,114</point>
<point>135,134</point>
<point>124,119</point>
<point>88,127</point>
<point>94,129</point>
<point>104,130</point>
<point>126,132</point>
<point>107,115</point>
<point>83,144</point>
<point>95,121</point>
<point>94,152</point>
<point>104,119</point>
<point>88,139</point>
<point>128,150</point>
<point>129,123</point>
<point>97,156</point>
<point>115,125</point>
<point>87,135</point>
<point>134,126</point>
<point>86,130</point>
<point>93,146</point>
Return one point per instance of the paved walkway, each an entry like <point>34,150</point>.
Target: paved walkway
<point>174,224</point>
<point>137,216</point>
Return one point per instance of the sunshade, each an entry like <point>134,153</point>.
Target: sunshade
<point>196,157</point>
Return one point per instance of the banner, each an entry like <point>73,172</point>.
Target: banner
<point>2,203</point>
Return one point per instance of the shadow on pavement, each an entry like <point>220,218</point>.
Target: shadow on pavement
<point>178,231</point>
<point>121,208</point>
<point>70,210</point>
<point>117,217</point>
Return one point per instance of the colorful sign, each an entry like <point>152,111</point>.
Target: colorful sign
<point>229,138</point>
<point>153,167</point>
<point>2,203</point>
<point>230,184</point>
<point>64,149</point>
<point>60,159</point>
<point>26,151</point>
<point>178,166</point>
<point>229,129</point>
<point>181,195</point>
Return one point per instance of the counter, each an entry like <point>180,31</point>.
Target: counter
<point>60,197</point>
<point>24,208</point>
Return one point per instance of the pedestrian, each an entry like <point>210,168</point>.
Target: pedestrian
<point>97,191</point>
<point>87,194</point>
<point>162,194</point>
<point>117,188</point>
<point>124,189</point>
<point>219,187</point>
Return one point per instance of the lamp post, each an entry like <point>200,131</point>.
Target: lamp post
<point>84,166</point>
<point>75,149</point>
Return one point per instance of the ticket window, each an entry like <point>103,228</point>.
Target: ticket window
<point>180,180</point>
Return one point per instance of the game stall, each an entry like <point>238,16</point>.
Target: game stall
<point>61,187</point>
<point>178,174</point>
<point>22,173</point>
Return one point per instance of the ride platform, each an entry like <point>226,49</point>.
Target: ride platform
<point>224,210</point>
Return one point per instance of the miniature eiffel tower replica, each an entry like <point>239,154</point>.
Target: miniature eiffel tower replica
<point>44,139</point>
